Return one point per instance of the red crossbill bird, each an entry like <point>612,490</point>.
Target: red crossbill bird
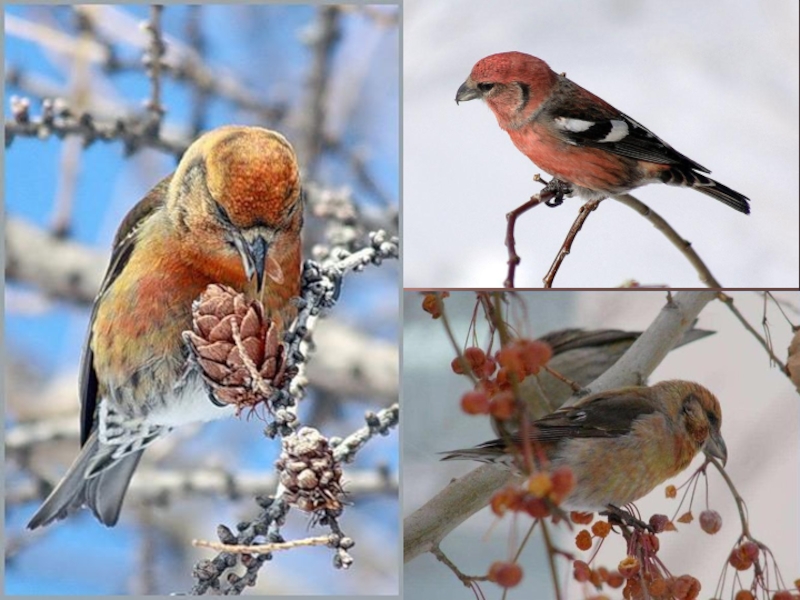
<point>578,138</point>
<point>619,444</point>
<point>231,214</point>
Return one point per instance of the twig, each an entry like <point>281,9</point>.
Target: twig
<point>262,548</point>
<point>57,119</point>
<point>583,214</point>
<point>551,558</point>
<point>468,580</point>
<point>359,167</point>
<point>740,505</point>
<point>727,300</point>
<point>380,423</point>
<point>685,246</point>
<point>574,386</point>
<point>511,218</point>
<point>194,35</point>
<point>152,63</point>
<point>322,38</point>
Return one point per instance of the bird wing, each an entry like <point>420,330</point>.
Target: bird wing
<point>603,415</point>
<point>600,125</point>
<point>564,340</point>
<point>124,244</point>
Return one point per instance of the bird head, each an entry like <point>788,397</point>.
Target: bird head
<point>237,189</point>
<point>508,82</point>
<point>701,416</point>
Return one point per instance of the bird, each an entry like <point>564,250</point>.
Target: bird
<point>580,356</point>
<point>231,214</point>
<point>581,140</point>
<point>619,444</point>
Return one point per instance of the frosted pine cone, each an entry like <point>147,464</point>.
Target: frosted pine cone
<point>309,473</point>
<point>239,351</point>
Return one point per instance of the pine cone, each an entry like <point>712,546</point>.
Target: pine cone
<point>245,371</point>
<point>309,473</point>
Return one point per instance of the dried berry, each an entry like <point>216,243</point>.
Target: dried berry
<point>583,540</point>
<point>629,567</point>
<point>581,571</point>
<point>581,518</point>
<point>710,521</point>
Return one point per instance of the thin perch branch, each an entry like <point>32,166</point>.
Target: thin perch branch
<point>566,247</point>
<point>513,257</point>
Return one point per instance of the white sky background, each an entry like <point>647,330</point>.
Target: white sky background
<point>760,424</point>
<point>717,80</point>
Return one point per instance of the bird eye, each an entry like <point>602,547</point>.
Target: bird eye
<point>485,87</point>
<point>712,419</point>
<point>222,213</point>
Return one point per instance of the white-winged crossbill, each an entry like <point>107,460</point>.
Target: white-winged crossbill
<point>618,444</point>
<point>578,138</point>
<point>230,214</point>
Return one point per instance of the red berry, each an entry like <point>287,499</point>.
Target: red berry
<point>629,567</point>
<point>488,368</point>
<point>686,587</point>
<point>601,529</point>
<point>534,354</point>
<point>475,403</point>
<point>507,498</point>
<point>475,357</point>
<point>502,406</point>
<point>751,550</point>
<point>457,366</point>
<point>583,540</point>
<point>563,483</point>
<point>659,522</point>
<point>581,518</point>
<point>536,507</point>
<point>505,574</point>
<point>581,571</point>
<point>739,560</point>
<point>710,521</point>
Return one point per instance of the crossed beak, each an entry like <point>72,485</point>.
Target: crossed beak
<point>715,446</point>
<point>254,257</point>
<point>467,92</point>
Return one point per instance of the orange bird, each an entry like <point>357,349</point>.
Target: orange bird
<point>231,213</point>
<point>619,444</point>
<point>579,138</point>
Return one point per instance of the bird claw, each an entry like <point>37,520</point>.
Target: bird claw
<point>619,516</point>
<point>559,189</point>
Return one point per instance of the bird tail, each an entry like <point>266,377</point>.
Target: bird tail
<point>103,491</point>
<point>693,179</point>
<point>488,452</point>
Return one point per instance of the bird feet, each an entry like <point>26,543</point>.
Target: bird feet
<point>558,189</point>
<point>619,516</point>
